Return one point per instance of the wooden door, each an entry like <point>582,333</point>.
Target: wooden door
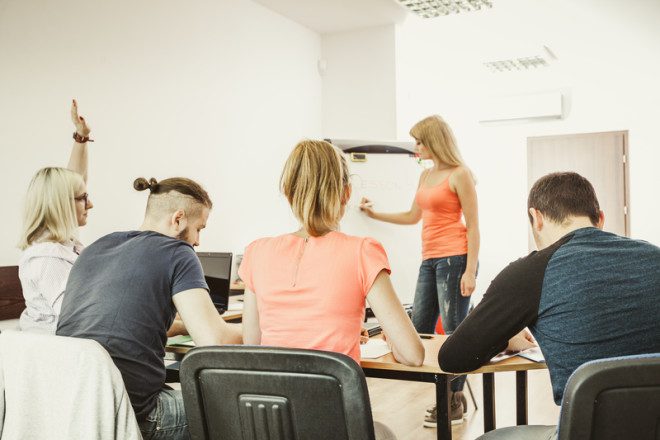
<point>600,157</point>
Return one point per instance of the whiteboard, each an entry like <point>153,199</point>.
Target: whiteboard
<point>390,182</point>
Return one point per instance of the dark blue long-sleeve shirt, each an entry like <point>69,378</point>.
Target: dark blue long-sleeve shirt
<point>591,295</point>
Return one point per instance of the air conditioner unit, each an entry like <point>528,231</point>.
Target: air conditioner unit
<point>534,107</point>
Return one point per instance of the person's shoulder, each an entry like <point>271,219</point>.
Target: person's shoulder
<point>461,174</point>
<point>534,263</point>
<point>48,249</point>
<point>355,240</point>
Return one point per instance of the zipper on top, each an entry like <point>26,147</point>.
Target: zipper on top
<point>300,254</point>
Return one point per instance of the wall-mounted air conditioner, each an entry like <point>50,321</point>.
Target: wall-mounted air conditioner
<point>532,107</point>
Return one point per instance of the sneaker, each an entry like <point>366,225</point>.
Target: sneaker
<point>456,411</point>
<point>463,401</point>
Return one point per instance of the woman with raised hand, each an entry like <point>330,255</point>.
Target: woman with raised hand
<point>450,248</point>
<point>56,205</point>
<point>307,289</point>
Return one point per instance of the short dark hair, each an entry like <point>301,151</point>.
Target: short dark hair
<point>562,195</point>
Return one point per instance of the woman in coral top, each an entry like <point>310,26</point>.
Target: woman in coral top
<point>450,248</point>
<point>307,289</point>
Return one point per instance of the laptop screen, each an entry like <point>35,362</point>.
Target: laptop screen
<point>217,271</point>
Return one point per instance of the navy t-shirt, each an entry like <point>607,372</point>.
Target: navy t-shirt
<point>119,293</point>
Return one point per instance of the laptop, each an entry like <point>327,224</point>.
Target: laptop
<point>217,272</point>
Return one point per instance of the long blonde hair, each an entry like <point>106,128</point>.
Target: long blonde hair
<point>50,206</point>
<point>435,134</point>
<point>315,181</point>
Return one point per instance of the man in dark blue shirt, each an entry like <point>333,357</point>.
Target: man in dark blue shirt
<point>585,295</point>
<point>125,289</point>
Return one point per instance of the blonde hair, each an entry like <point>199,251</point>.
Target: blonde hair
<point>435,134</point>
<point>50,206</point>
<point>314,180</point>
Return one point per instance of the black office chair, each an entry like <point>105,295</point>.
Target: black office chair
<point>265,393</point>
<point>607,399</point>
<point>616,398</point>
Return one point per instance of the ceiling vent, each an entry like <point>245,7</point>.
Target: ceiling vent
<point>436,8</point>
<point>530,61</point>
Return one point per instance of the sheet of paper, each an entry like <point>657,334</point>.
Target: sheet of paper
<point>501,356</point>
<point>235,306</point>
<point>373,349</point>
<point>533,354</point>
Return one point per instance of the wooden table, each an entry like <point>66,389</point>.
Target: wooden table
<point>386,367</point>
<point>234,315</point>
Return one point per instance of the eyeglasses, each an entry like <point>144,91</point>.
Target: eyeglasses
<point>82,198</point>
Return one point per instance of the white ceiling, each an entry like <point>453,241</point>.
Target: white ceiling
<point>329,16</point>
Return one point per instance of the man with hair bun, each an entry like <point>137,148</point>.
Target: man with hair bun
<point>126,288</point>
<point>586,294</point>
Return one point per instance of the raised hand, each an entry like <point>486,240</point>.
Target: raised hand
<point>366,206</point>
<point>81,124</point>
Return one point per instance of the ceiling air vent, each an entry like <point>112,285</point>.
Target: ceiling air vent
<point>530,61</point>
<point>436,8</point>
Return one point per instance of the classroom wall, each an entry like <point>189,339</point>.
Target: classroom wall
<point>359,84</point>
<point>218,91</point>
<point>607,69</point>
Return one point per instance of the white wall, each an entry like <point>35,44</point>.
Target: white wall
<point>608,69</point>
<point>359,84</point>
<point>218,91</point>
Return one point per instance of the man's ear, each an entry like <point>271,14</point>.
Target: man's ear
<point>537,219</point>
<point>179,221</point>
<point>601,219</point>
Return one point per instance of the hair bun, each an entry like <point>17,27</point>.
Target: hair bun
<point>141,184</point>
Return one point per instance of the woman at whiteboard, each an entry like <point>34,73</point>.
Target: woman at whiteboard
<point>450,248</point>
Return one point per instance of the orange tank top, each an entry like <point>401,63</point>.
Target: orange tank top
<point>443,232</point>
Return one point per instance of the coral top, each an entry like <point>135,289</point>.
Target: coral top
<point>443,232</point>
<point>311,292</point>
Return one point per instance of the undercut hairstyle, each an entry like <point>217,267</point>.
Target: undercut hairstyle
<point>173,194</point>
<point>562,195</point>
<point>315,181</point>
<point>50,208</point>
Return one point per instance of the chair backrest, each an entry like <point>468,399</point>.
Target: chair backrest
<point>12,302</point>
<point>266,393</point>
<point>58,387</point>
<point>616,398</point>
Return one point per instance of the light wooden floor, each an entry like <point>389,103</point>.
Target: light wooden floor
<point>401,405</point>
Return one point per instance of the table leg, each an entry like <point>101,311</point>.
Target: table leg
<point>489,401</point>
<point>442,406</point>
<point>521,397</point>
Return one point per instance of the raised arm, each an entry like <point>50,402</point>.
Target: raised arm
<point>463,184</point>
<point>78,160</point>
<point>406,345</point>
<point>410,217</point>
<point>202,320</point>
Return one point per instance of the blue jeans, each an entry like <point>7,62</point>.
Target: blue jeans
<point>167,421</point>
<point>438,292</point>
